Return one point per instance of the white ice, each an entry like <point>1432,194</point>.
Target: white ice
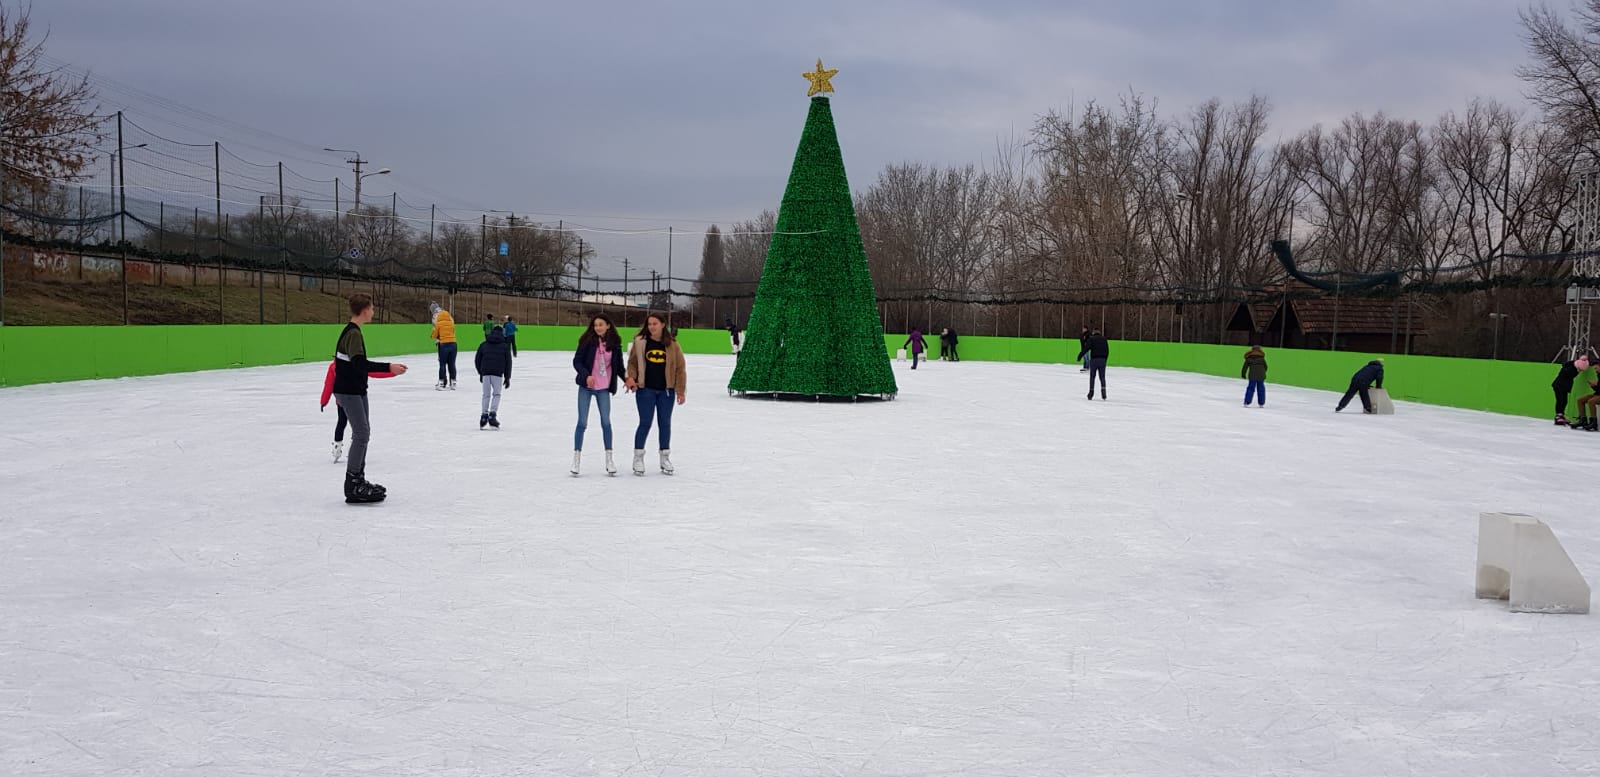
<point>989,576</point>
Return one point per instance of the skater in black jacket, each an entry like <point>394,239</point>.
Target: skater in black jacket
<point>1368,376</point>
<point>1562,385</point>
<point>1097,349</point>
<point>351,369</point>
<point>493,361</point>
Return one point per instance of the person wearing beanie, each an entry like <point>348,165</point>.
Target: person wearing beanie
<point>444,338</point>
<point>1562,385</point>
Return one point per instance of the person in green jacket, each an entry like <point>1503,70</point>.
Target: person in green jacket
<point>488,324</point>
<point>1255,372</point>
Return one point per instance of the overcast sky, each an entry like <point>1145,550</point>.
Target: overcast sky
<point>634,115</point>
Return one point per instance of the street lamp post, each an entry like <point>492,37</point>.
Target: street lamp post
<point>356,162</point>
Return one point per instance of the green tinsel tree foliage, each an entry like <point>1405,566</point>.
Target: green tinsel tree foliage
<point>814,326</point>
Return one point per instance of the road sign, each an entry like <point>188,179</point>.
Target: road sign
<point>505,248</point>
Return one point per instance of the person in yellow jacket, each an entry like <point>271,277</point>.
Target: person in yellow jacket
<point>444,334</point>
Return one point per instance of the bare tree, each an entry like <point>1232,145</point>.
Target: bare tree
<point>713,269</point>
<point>1361,183</point>
<point>47,121</point>
<point>1099,176</point>
<point>928,233</point>
<point>1565,71</point>
<point>744,254</point>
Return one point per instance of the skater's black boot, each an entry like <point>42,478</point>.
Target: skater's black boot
<point>494,421</point>
<point>1580,425</point>
<point>483,420</point>
<point>1102,392</point>
<point>1091,394</point>
<point>358,491</point>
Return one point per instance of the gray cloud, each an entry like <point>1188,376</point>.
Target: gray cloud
<point>633,115</point>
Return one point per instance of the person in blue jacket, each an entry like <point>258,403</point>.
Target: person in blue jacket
<point>1370,376</point>
<point>510,328</point>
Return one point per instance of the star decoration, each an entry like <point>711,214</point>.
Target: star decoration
<point>819,80</point>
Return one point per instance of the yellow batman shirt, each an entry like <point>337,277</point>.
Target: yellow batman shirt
<point>655,365</point>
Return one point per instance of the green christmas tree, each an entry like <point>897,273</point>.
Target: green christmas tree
<point>814,327</point>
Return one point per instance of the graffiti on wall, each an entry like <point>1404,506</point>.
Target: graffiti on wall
<point>97,264</point>
<point>141,271</point>
<point>51,262</point>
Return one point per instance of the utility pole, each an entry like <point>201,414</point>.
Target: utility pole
<point>261,270</point>
<point>356,162</point>
<point>2,231</point>
<point>580,267</point>
<point>122,218</point>
<point>122,194</point>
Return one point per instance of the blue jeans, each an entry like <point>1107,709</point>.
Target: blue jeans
<point>654,403</point>
<point>447,361</point>
<point>602,397</point>
<point>1097,368</point>
<point>1256,389</point>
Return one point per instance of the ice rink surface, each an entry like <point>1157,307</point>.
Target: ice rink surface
<point>988,576</point>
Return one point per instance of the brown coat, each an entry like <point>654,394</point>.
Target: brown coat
<point>1255,365</point>
<point>677,374</point>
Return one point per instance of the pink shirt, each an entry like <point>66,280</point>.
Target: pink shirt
<point>601,371</point>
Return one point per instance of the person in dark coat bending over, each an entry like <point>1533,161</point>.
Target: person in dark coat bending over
<point>1562,385</point>
<point>1367,377</point>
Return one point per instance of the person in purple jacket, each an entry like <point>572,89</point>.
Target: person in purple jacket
<point>598,362</point>
<point>915,346</point>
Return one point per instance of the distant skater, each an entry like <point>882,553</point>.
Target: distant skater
<point>915,346</point>
<point>1097,350</point>
<point>1255,374</point>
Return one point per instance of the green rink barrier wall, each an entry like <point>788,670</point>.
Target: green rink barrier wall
<point>62,353</point>
<point>1514,388</point>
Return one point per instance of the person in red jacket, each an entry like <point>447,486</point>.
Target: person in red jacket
<point>327,394</point>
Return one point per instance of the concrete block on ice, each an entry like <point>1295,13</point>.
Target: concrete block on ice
<point>1381,403</point>
<point>1520,559</point>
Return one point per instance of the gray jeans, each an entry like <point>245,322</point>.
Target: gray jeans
<point>491,393</point>
<point>355,408</point>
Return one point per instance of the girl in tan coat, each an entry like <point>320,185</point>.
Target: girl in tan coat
<point>657,375</point>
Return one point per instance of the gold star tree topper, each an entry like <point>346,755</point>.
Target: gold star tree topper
<point>819,79</point>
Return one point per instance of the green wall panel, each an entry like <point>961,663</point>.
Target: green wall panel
<point>51,354</point>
